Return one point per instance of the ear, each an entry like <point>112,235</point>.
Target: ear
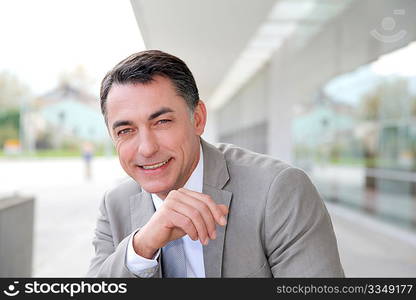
<point>200,117</point>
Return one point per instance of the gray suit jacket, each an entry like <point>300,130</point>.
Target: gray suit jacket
<point>277,224</point>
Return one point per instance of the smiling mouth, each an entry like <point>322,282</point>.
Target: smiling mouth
<point>155,166</point>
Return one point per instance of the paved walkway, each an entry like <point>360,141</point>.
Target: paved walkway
<point>371,248</point>
<point>67,205</point>
<point>66,208</point>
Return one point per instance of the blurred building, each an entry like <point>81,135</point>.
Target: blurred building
<point>67,115</point>
<point>326,85</point>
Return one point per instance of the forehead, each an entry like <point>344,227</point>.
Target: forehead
<point>126,100</point>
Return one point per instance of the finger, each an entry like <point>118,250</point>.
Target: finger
<point>216,211</point>
<point>223,208</point>
<point>185,224</point>
<point>203,209</point>
<point>194,216</point>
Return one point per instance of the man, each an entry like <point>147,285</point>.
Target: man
<point>191,209</point>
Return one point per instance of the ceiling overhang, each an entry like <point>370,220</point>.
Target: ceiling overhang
<point>224,42</point>
<point>208,35</point>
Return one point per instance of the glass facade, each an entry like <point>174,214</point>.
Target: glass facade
<point>357,138</point>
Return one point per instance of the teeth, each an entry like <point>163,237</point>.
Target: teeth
<point>155,166</point>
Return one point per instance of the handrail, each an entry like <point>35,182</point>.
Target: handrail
<point>391,174</point>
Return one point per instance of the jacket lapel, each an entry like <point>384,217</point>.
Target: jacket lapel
<point>215,177</point>
<point>141,209</point>
<point>214,250</point>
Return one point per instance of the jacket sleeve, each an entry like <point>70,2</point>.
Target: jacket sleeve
<point>110,257</point>
<point>299,237</point>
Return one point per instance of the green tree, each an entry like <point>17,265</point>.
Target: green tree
<point>9,125</point>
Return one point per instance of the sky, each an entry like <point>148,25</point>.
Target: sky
<point>39,40</point>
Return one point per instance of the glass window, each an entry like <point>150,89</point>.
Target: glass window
<point>358,137</point>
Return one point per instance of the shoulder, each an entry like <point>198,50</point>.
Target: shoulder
<point>121,191</point>
<point>248,169</point>
<point>242,161</point>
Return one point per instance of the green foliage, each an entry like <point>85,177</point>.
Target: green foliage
<point>9,125</point>
<point>7,132</point>
<point>9,117</point>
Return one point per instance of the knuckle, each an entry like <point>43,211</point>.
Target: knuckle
<point>205,208</point>
<point>202,207</point>
<point>186,222</point>
<point>207,197</point>
<point>194,213</point>
<point>172,194</point>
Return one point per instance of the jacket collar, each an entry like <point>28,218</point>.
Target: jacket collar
<point>215,177</point>
<point>215,166</point>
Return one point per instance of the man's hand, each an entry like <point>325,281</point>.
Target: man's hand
<point>183,212</point>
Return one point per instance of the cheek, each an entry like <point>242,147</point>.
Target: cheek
<point>124,151</point>
<point>119,148</point>
<point>186,147</point>
<point>167,138</point>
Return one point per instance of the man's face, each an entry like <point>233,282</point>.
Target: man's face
<point>156,140</point>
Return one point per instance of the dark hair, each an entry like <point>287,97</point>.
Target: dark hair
<point>143,66</point>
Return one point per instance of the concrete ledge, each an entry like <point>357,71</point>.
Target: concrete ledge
<point>16,236</point>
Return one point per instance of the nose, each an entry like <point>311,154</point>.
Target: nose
<point>148,145</point>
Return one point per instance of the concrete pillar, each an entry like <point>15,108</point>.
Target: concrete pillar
<point>211,133</point>
<point>16,236</point>
<point>281,99</point>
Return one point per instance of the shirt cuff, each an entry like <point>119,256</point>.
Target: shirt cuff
<point>139,265</point>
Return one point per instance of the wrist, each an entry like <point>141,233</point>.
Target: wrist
<point>141,247</point>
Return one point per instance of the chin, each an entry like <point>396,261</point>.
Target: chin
<point>156,188</point>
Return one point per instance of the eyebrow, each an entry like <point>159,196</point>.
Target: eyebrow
<point>161,111</point>
<point>121,123</point>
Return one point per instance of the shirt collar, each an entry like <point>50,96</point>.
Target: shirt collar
<point>195,181</point>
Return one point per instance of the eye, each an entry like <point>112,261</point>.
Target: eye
<point>163,121</point>
<point>124,131</point>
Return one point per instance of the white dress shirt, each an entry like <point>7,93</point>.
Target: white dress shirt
<point>193,249</point>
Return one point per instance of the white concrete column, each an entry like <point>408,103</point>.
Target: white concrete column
<point>211,131</point>
<point>280,109</point>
